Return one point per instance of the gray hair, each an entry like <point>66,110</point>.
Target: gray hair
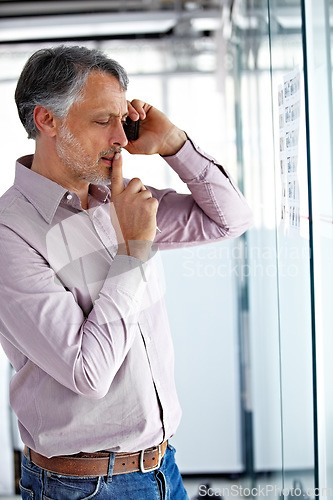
<point>53,78</point>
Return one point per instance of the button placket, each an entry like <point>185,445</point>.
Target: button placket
<point>102,234</point>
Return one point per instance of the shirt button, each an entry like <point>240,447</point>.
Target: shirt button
<point>69,197</point>
<point>148,340</point>
<point>158,383</point>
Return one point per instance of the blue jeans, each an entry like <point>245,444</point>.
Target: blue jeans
<point>164,483</point>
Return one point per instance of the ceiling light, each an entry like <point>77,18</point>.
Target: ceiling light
<point>50,27</point>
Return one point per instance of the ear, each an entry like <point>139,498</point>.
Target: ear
<point>45,121</point>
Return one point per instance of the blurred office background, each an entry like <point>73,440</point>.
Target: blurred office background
<point>251,82</point>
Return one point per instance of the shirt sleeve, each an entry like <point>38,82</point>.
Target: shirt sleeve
<point>42,320</point>
<point>214,210</point>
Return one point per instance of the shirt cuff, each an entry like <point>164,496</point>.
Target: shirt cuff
<point>190,161</point>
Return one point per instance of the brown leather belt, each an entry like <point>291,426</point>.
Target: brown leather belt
<point>97,464</point>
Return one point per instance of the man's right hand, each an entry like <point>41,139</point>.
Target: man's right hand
<point>133,213</point>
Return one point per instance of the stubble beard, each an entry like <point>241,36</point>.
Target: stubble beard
<point>73,154</point>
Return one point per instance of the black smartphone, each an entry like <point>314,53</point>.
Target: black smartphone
<point>131,129</point>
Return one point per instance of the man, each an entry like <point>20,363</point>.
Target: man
<point>82,315</point>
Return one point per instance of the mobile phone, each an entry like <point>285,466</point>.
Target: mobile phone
<point>131,129</point>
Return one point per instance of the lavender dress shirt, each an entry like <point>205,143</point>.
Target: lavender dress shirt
<point>86,330</point>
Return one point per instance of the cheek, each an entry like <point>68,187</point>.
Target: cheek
<point>95,143</point>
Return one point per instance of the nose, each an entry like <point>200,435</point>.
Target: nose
<point>118,136</point>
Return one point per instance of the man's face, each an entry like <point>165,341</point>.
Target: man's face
<point>92,132</point>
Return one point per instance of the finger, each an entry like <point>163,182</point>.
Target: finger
<point>145,194</point>
<point>132,112</point>
<point>135,185</point>
<point>136,109</point>
<point>117,182</point>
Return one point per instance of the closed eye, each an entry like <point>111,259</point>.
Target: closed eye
<point>123,122</point>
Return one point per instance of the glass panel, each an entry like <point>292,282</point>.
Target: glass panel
<point>270,110</point>
<point>293,251</point>
<point>259,306</point>
<point>318,17</point>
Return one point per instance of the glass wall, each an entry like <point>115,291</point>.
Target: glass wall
<point>318,28</point>
<point>281,54</point>
<point>268,69</point>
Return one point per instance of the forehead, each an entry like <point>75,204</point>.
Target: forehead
<point>102,92</point>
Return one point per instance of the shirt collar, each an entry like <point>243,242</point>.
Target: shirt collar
<point>46,195</point>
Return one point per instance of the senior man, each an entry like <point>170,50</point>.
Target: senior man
<point>83,320</point>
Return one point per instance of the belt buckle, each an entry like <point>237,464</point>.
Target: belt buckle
<point>142,467</point>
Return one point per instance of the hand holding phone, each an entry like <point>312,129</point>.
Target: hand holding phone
<point>131,129</point>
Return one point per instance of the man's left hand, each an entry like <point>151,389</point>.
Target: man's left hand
<point>157,134</point>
